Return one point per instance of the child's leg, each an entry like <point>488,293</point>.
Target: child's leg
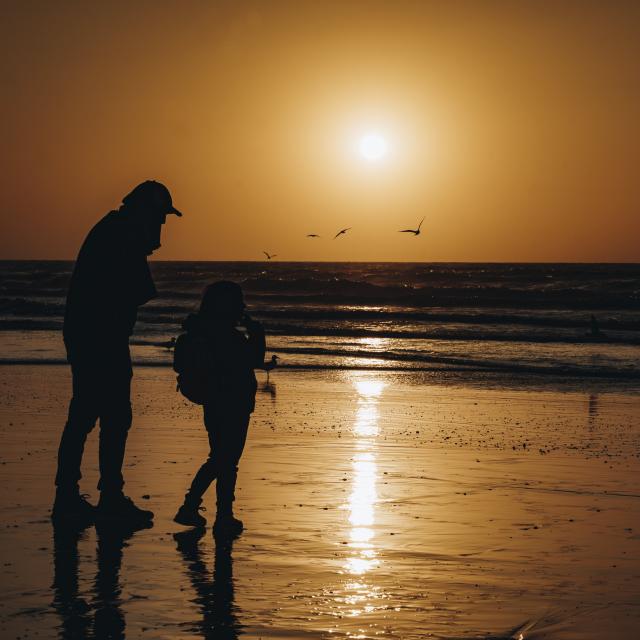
<point>229,438</point>
<point>207,473</point>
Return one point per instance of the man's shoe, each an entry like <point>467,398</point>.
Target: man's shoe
<point>72,506</point>
<point>188,516</point>
<point>120,507</point>
<point>227,526</point>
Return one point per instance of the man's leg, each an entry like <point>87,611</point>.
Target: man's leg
<point>115,421</point>
<point>83,413</point>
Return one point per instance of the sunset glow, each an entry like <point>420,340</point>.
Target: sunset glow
<point>267,121</point>
<point>373,146</point>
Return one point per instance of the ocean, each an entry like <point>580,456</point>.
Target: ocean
<point>469,320</point>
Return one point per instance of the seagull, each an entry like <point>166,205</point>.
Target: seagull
<point>169,344</point>
<point>270,255</point>
<point>271,364</point>
<point>416,232</point>
<point>312,235</point>
<point>341,232</point>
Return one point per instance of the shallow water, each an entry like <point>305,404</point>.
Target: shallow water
<point>501,318</point>
<point>375,505</point>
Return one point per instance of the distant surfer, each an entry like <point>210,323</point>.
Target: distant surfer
<point>595,329</point>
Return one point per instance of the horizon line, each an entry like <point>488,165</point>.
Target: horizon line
<point>488,262</point>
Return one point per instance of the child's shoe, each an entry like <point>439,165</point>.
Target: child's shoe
<point>227,526</point>
<point>188,514</point>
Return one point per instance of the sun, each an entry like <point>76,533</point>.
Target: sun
<point>373,146</point>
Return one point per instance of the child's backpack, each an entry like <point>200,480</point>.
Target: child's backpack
<point>188,363</point>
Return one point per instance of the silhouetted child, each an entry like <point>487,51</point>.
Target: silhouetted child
<point>217,371</point>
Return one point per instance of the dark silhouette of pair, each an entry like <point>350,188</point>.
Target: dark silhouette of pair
<point>110,281</point>
<point>223,345</point>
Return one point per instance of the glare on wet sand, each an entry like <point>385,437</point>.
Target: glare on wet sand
<point>362,500</point>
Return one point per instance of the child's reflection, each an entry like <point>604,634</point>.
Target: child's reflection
<point>214,591</point>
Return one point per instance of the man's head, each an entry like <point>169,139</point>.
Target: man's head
<point>148,206</point>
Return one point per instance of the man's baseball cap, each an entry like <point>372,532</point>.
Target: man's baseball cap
<point>151,194</point>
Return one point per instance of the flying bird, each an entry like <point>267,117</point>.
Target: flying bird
<point>270,255</point>
<point>312,235</point>
<point>416,232</point>
<point>341,232</point>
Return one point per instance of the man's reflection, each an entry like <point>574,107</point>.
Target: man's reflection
<point>108,619</point>
<point>214,591</point>
<point>75,621</point>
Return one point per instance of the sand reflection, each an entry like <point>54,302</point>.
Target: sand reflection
<point>361,503</point>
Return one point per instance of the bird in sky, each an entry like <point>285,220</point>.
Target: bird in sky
<point>416,232</point>
<point>341,232</point>
<point>313,235</point>
<point>270,255</point>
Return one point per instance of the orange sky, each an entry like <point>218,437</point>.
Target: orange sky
<point>512,126</point>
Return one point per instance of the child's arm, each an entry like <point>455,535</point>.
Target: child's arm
<point>257,344</point>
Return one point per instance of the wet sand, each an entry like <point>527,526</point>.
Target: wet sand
<point>376,505</point>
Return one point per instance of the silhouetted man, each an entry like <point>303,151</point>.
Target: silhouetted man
<point>111,279</point>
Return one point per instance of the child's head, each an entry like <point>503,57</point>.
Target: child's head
<point>223,302</point>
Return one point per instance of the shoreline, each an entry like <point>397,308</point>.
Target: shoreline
<point>498,375</point>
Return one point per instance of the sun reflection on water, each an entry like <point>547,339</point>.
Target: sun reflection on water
<point>369,389</point>
<point>363,497</point>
